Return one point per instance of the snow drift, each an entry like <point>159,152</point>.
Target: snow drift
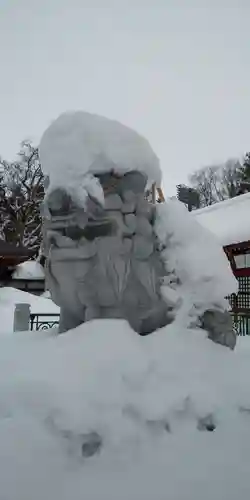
<point>153,402</point>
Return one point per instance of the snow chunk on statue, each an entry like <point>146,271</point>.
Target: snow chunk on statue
<point>79,144</point>
<point>199,274</point>
<point>110,253</point>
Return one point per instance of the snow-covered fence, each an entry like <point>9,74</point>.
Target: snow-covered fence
<point>24,320</point>
<point>242,324</point>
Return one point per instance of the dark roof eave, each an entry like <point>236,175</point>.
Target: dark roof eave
<point>243,245</point>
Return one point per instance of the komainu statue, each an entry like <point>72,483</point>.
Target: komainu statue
<point>109,251</point>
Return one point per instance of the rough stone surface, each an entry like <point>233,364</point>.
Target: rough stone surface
<point>107,263</point>
<point>130,223</point>
<point>142,247</point>
<point>69,320</point>
<point>113,202</point>
<point>128,207</point>
<point>129,197</point>
<point>117,218</point>
<point>143,226</point>
<point>132,181</point>
<point>144,208</point>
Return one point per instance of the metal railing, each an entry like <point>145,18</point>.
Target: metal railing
<point>240,311</point>
<point>43,321</point>
<point>242,324</point>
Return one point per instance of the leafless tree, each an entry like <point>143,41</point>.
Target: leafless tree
<point>21,192</point>
<point>217,182</point>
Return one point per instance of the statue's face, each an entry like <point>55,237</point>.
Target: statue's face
<point>132,181</point>
<point>59,203</point>
<point>64,215</point>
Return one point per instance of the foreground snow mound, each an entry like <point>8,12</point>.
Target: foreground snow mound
<point>78,144</point>
<point>148,405</point>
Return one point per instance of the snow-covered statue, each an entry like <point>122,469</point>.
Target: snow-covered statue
<point>110,253</point>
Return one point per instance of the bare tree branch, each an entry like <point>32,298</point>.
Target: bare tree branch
<point>21,192</point>
<point>217,182</point>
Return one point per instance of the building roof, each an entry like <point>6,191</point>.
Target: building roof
<point>229,220</point>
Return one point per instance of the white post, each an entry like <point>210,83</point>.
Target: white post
<point>21,317</point>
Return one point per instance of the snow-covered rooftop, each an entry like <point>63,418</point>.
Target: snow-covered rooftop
<point>80,143</point>
<point>229,220</point>
<point>29,270</point>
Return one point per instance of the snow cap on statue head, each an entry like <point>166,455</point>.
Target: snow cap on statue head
<point>78,143</point>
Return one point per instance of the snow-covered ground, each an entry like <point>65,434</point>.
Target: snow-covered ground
<point>147,399</point>
<point>170,412</point>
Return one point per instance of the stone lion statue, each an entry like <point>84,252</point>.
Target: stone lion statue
<point>104,259</point>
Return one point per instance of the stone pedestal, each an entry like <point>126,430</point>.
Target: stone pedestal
<point>21,317</point>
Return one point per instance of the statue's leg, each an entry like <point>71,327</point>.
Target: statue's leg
<point>158,317</point>
<point>68,320</point>
<point>92,312</point>
<point>149,321</point>
<point>219,326</point>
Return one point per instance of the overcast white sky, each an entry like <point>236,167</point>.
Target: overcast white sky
<point>176,71</point>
